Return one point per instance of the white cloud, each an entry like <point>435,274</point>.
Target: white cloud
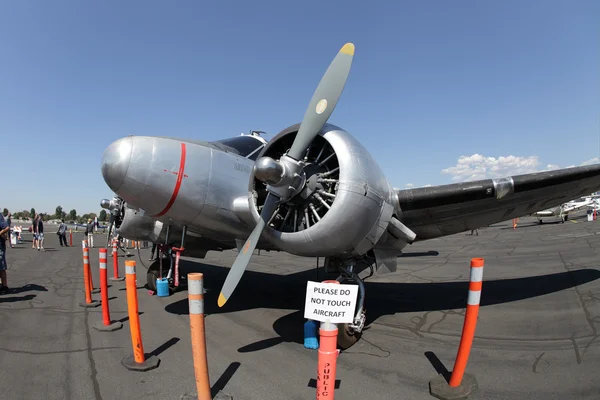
<point>409,185</point>
<point>477,166</point>
<point>594,160</point>
<point>470,168</point>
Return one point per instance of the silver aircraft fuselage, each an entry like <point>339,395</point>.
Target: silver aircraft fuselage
<point>207,187</point>
<point>175,181</point>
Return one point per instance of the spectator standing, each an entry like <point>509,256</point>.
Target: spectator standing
<point>34,222</point>
<point>10,231</point>
<point>62,233</point>
<point>3,267</point>
<point>40,232</point>
<point>89,230</point>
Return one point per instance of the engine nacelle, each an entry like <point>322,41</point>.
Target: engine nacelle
<point>348,203</point>
<point>138,226</point>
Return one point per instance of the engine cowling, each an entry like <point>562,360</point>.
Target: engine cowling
<point>347,203</point>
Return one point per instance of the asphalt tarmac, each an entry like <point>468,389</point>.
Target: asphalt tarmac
<point>536,336</point>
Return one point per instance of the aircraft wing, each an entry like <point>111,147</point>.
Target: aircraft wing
<point>436,211</point>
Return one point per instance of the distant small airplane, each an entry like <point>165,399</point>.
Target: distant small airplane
<point>562,211</point>
<point>313,190</point>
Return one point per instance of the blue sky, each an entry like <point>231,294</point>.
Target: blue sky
<point>431,82</point>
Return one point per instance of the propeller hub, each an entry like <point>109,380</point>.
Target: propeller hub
<point>105,203</point>
<point>269,170</point>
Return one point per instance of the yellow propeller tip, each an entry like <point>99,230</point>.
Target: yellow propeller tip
<point>348,49</point>
<point>222,300</point>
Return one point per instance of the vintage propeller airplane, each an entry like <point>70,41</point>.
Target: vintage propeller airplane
<point>313,190</point>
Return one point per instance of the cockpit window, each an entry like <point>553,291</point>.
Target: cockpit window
<point>243,145</point>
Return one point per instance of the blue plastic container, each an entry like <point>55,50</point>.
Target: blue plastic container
<point>310,334</point>
<point>162,287</point>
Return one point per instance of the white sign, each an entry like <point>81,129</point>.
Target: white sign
<point>330,302</point>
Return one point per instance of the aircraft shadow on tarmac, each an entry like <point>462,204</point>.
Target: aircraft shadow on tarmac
<point>265,290</point>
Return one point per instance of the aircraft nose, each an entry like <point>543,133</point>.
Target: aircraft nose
<point>115,162</point>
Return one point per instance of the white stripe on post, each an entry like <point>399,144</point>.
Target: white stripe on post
<point>476,274</point>
<point>129,270</point>
<point>474,297</point>
<point>195,288</point>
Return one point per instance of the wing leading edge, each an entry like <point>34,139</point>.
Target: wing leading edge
<point>436,211</point>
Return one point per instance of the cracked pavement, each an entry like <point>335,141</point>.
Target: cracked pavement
<point>537,334</point>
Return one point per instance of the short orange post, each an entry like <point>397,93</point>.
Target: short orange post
<point>86,281</point>
<point>106,325</point>
<point>137,361</point>
<point>71,237</point>
<point>196,306</point>
<point>115,256</point>
<point>461,383</point>
<point>327,358</point>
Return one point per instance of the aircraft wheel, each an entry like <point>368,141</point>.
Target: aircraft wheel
<point>152,276</point>
<point>346,339</point>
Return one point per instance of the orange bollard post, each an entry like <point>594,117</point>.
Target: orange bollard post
<point>86,281</point>
<point>327,358</point>
<point>106,325</point>
<point>198,337</point>
<point>115,256</point>
<point>71,237</point>
<point>461,384</point>
<point>137,361</point>
<point>327,363</point>
<point>84,244</point>
<point>196,306</point>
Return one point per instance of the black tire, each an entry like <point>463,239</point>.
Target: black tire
<point>152,276</point>
<point>346,339</point>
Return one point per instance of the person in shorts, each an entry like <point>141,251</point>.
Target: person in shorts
<point>33,228</point>
<point>40,232</point>
<point>4,228</point>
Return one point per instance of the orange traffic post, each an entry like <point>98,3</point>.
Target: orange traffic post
<point>327,358</point>
<point>71,237</point>
<point>96,290</point>
<point>196,306</point>
<point>137,361</point>
<point>198,337</point>
<point>115,257</point>
<point>86,281</point>
<point>107,325</point>
<point>461,384</point>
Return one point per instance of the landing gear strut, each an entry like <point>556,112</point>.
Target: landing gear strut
<point>350,333</point>
<point>173,254</point>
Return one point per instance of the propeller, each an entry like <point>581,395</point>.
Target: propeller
<point>285,177</point>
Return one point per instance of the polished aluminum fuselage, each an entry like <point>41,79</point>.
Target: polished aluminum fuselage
<point>208,190</point>
<point>180,183</point>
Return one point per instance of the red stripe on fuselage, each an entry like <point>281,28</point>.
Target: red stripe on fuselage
<point>180,175</point>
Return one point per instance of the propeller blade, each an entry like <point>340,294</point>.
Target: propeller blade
<point>243,258</point>
<point>323,101</point>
